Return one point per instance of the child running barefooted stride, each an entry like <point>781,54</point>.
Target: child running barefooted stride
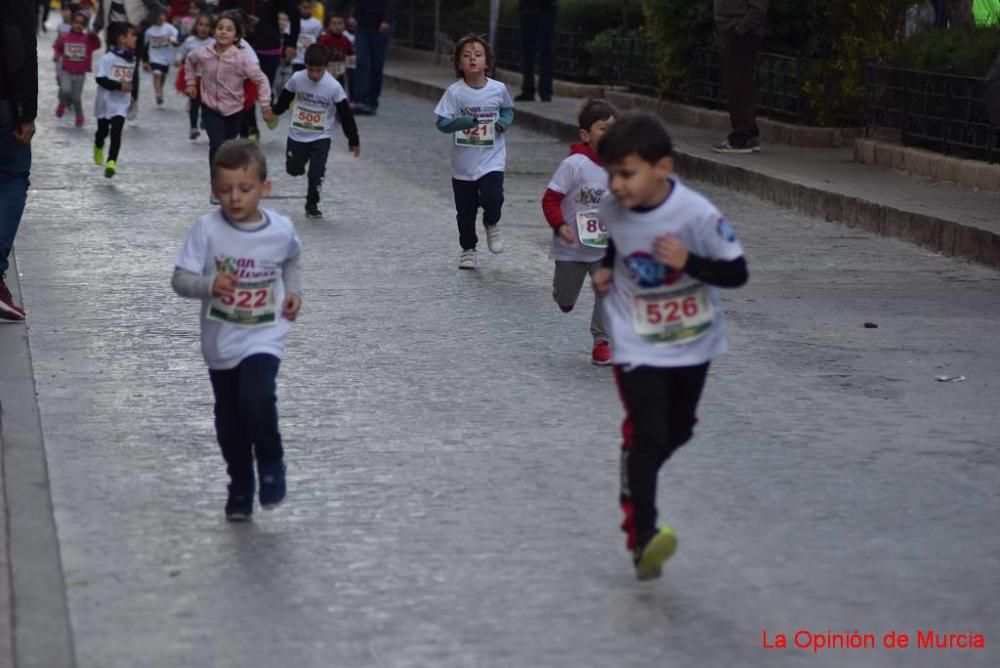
<point>74,50</point>
<point>669,251</point>
<point>318,99</point>
<point>579,239</point>
<point>114,94</point>
<point>242,262</point>
<point>477,111</point>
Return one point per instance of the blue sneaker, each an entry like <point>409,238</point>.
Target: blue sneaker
<point>239,505</point>
<point>272,483</point>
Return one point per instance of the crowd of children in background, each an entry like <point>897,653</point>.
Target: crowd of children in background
<point>656,250</point>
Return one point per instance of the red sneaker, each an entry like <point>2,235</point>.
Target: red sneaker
<point>8,309</point>
<point>601,354</point>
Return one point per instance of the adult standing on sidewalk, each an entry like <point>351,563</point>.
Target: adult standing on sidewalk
<point>374,20</point>
<point>538,33</point>
<point>18,108</point>
<point>741,29</point>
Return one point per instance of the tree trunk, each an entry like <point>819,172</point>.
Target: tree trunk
<point>960,12</point>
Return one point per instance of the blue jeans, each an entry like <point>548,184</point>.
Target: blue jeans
<point>15,165</point>
<point>371,47</point>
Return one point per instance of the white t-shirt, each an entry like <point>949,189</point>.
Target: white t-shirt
<point>190,44</point>
<point>314,113</point>
<point>583,183</point>
<point>111,103</point>
<point>309,31</point>
<point>482,150</point>
<point>160,41</point>
<point>250,322</point>
<point>656,316</point>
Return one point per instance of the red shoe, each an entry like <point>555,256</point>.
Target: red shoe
<point>601,354</point>
<point>60,110</point>
<point>8,309</point>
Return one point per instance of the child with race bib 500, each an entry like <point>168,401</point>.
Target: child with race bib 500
<point>476,111</point>
<point>669,251</point>
<point>242,262</point>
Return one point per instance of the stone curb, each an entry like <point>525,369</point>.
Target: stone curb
<point>920,162</point>
<point>42,633</point>
<point>944,236</point>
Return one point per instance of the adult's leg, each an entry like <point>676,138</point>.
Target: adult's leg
<point>15,167</point>
<point>362,75</point>
<point>380,50</point>
<point>491,197</point>
<point>117,123</point>
<point>319,151</point>
<point>529,43</point>
<point>259,405</point>
<point>739,62</point>
<point>466,207</point>
<point>546,48</point>
<point>231,429</point>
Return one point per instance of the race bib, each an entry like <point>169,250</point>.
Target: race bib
<point>483,135</point>
<point>309,121</point>
<point>159,42</point>
<point>121,74</point>
<point>252,304</point>
<point>673,317</point>
<point>305,41</point>
<point>75,52</point>
<point>590,230</point>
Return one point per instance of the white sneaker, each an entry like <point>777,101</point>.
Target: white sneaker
<point>467,260</point>
<point>493,239</point>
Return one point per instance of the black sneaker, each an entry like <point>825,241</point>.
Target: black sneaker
<point>8,309</point>
<point>525,97</point>
<point>239,505</point>
<point>313,212</point>
<point>272,483</point>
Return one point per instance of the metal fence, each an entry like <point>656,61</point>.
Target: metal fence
<point>941,112</point>
<point>415,30</point>
<point>570,59</point>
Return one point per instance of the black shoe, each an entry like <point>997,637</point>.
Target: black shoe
<point>272,483</point>
<point>239,505</point>
<point>525,97</point>
<point>313,212</point>
<point>545,98</point>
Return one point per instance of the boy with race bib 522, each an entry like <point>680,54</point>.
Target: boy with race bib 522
<point>669,251</point>
<point>242,262</point>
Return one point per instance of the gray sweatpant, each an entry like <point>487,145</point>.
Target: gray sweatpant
<point>566,284</point>
<point>71,90</point>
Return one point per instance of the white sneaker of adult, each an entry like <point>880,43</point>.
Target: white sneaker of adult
<point>494,239</point>
<point>467,260</point>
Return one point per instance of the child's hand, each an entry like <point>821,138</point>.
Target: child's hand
<point>126,86</point>
<point>55,57</point>
<point>602,280</point>
<point>465,122</point>
<point>224,285</point>
<point>356,150</point>
<point>566,233</point>
<point>145,67</point>
<point>290,309</point>
<point>268,115</point>
<point>191,90</point>
<point>670,251</point>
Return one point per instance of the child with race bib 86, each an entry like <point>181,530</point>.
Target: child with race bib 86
<point>318,98</point>
<point>242,262</point>
<point>579,239</point>
<point>669,251</point>
<point>476,111</point>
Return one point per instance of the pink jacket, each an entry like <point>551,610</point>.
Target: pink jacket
<point>75,50</point>
<point>222,77</point>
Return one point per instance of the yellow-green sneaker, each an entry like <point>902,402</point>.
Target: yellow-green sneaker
<point>649,557</point>
<point>110,169</point>
<point>98,155</point>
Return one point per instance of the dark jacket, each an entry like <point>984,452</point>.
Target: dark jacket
<point>743,16</point>
<point>371,13</point>
<point>19,58</point>
<point>266,35</point>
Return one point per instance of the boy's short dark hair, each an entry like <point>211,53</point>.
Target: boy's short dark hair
<point>234,15</point>
<point>640,134</point>
<point>117,30</point>
<point>316,55</point>
<point>593,110</point>
<point>472,39</point>
<point>237,154</point>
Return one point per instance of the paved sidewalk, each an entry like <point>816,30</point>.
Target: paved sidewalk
<point>826,183</point>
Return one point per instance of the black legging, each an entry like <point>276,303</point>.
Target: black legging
<point>219,129</point>
<point>113,125</point>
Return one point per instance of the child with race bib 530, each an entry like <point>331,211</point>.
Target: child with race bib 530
<point>318,99</point>
<point>114,73</point>
<point>476,110</point>
<point>242,262</point>
<point>669,252</point>
<point>579,239</point>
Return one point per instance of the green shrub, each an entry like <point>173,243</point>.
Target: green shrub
<point>969,51</point>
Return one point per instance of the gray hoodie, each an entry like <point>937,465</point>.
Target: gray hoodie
<point>743,16</point>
